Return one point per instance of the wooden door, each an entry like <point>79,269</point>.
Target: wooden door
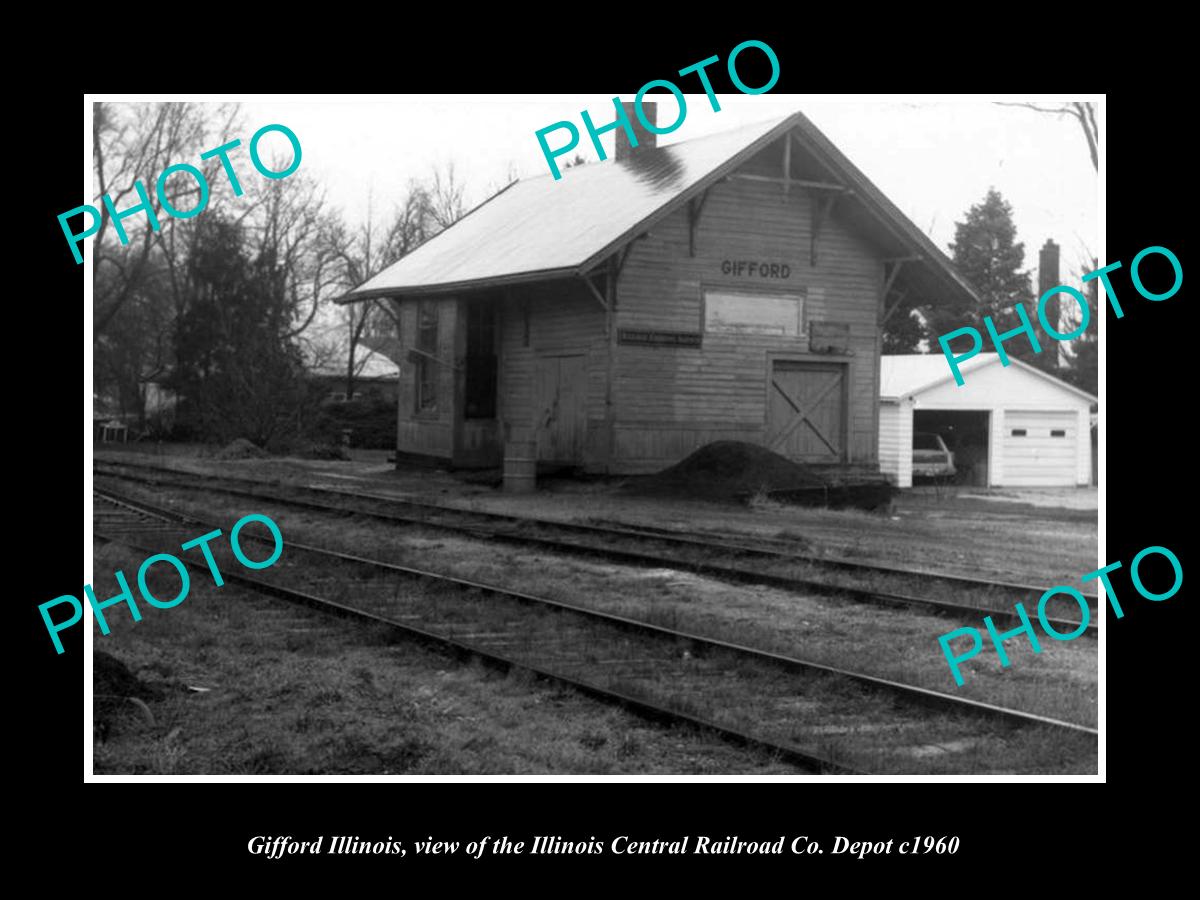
<point>561,390</point>
<point>806,415</point>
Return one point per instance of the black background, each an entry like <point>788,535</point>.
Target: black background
<point>1004,828</point>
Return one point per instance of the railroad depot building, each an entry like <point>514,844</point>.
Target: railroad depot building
<point>1012,425</point>
<point>729,287</point>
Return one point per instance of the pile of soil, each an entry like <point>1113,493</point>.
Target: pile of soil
<point>112,679</point>
<point>323,451</point>
<point>728,470</point>
<point>118,695</point>
<point>241,449</point>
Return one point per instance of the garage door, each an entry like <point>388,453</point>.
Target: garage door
<point>1040,448</point>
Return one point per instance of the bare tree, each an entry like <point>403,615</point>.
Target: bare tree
<point>1082,353</point>
<point>145,284</point>
<point>444,197</point>
<point>1083,113</point>
<point>511,174</point>
<point>372,249</point>
<point>295,236</point>
<point>133,290</point>
<point>133,144</point>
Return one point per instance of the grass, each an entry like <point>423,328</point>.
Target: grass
<point>740,693</point>
<point>293,691</point>
<point>1060,682</point>
<point>1026,544</point>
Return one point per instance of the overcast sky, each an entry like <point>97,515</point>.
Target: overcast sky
<point>933,159</point>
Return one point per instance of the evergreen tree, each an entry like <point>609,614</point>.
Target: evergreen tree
<point>1083,353</point>
<point>988,255</point>
<point>238,373</point>
<point>903,331</point>
<point>985,251</point>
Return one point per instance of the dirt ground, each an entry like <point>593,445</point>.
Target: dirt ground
<point>249,686</point>
<point>1042,536</point>
<point>1062,498</point>
<point>1007,535</point>
<point>890,643</point>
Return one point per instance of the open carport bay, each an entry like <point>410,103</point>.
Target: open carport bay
<point>966,434</point>
<point>1008,425</point>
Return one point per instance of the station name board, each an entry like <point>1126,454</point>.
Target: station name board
<point>755,269</point>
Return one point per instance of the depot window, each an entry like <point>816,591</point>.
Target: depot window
<point>1058,432</point>
<point>426,357</point>
<point>1018,432</point>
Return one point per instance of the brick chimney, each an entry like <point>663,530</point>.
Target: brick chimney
<point>1048,279</point>
<point>646,140</point>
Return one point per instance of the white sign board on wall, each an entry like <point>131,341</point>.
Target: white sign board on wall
<point>748,312</point>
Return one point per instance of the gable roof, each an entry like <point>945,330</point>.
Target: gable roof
<point>908,375</point>
<point>376,365</point>
<point>541,228</point>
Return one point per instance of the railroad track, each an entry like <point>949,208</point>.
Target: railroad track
<point>799,706</point>
<point>657,547</point>
<point>119,519</point>
<point>114,516</point>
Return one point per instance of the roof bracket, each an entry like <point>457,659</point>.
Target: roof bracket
<point>821,208</point>
<point>621,260</point>
<point>787,166</point>
<point>793,182</point>
<point>695,205</point>
<point>595,291</point>
<point>824,165</point>
<point>891,270</point>
<point>891,309</point>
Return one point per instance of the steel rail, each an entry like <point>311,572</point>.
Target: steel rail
<point>459,649</point>
<point>627,530</point>
<point>635,557</point>
<point>911,693</point>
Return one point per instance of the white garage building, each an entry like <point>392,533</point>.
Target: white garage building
<point>1007,425</point>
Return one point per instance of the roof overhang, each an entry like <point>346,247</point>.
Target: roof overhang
<point>927,271</point>
<point>455,286</point>
<point>991,359</point>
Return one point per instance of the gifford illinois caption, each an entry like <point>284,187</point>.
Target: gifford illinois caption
<point>281,847</point>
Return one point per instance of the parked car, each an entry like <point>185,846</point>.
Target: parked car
<point>931,457</point>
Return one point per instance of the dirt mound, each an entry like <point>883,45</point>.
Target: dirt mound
<point>240,449</point>
<point>726,470</point>
<point>118,696</point>
<point>111,678</point>
<point>323,451</point>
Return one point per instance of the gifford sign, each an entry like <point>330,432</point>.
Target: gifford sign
<point>743,268</point>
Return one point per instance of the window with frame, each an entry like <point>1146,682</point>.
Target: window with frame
<point>747,311</point>
<point>480,380</point>
<point>427,367</point>
<point>1058,432</point>
<point>1019,432</point>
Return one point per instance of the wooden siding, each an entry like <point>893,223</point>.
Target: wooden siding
<point>1015,398</point>
<point>671,400</point>
<point>667,401</point>
<point>555,319</point>
<point>427,433</point>
<point>895,441</point>
<point>1007,391</point>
